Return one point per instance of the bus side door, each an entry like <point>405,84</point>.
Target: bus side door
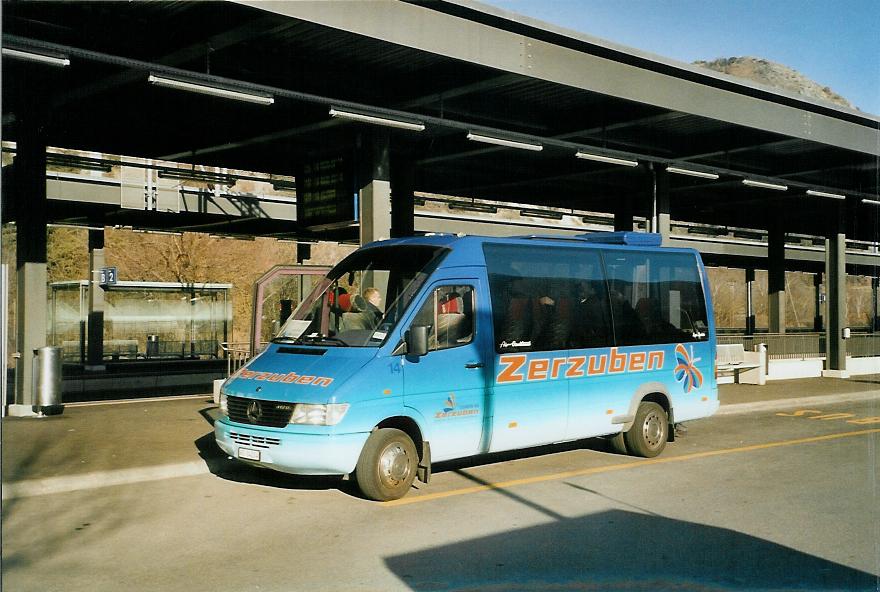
<point>448,386</point>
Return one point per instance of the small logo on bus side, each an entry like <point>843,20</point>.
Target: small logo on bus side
<point>451,409</point>
<point>686,371</point>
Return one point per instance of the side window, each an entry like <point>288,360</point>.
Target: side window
<point>449,315</point>
<point>655,298</point>
<point>548,298</point>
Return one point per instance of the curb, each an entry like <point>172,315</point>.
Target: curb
<point>69,483</point>
<point>773,405</point>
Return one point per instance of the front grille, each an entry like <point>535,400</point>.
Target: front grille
<point>270,414</point>
<point>254,441</point>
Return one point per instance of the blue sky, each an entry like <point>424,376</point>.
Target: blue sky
<point>834,42</point>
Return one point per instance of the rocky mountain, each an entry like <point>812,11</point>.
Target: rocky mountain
<point>775,75</point>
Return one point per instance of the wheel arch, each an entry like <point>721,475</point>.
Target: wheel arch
<point>407,425</point>
<point>654,392</point>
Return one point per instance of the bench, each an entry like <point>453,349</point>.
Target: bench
<point>732,358</point>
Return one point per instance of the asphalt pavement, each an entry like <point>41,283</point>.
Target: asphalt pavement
<point>92,445</point>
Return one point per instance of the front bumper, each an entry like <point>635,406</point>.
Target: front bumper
<point>295,453</point>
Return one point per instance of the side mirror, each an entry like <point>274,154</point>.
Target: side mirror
<point>417,340</point>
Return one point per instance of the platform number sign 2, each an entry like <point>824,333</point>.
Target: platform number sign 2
<point>108,276</point>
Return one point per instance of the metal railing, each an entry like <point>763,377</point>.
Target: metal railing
<point>863,345</point>
<point>237,355</point>
<point>782,346</point>
<point>803,346</point>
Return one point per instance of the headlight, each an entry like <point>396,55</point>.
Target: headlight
<point>224,404</point>
<point>332,414</point>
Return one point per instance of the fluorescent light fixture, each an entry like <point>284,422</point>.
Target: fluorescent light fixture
<point>58,61</point>
<point>873,202</point>
<point>204,89</point>
<point>549,214</point>
<point>504,142</point>
<point>691,173</point>
<point>608,159</point>
<point>416,126</point>
<point>474,207</point>
<point>825,194</point>
<point>763,185</point>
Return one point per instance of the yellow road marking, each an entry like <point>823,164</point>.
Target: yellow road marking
<point>619,467</point>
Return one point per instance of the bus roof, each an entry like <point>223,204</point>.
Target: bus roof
<point>463,244</point>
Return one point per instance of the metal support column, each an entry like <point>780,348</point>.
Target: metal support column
<point>662,219</point>
<point>750,305</point>
<point>835,299</point>
<point>95,348</point>
<point>29,170</point>
<point>375,190</point>
<point>623,214</point>
<point>776,275</point>
<point>875,284</point>
<point>402,198</point>
<point>817,319</point>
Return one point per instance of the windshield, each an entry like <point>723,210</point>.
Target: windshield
<point>361,300</point>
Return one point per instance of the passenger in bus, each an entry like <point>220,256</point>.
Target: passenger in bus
<point>655,325</point>
<point>590,322</point>
<point>550,321</point>
<point>517,318</point>
<point>538,316</point>
<point>628,328</point>
<point>363,312</point>
<point>454,325</point>
<point>372,306</point>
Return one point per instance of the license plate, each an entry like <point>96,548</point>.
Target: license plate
<point>248,454</point>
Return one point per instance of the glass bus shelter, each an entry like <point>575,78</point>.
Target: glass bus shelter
<point>143,320</point>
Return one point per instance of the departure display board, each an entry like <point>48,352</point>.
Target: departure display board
<point>325,192</point>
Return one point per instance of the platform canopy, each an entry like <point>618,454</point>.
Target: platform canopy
<point>582,123</point>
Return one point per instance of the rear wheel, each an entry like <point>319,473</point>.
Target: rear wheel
<point>649,432</point>
<point>387,465</point>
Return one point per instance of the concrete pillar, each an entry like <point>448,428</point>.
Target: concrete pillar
<point>31,208</point>
<point>776,275</point>
<point>374,201</point>
<point>835,303</point>
<point>95,351</point>
<point>750,303</point>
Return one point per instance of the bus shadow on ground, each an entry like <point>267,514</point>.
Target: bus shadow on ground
<point>622,550</point>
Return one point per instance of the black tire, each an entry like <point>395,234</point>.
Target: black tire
<point>617,443</point>
<point>387,465</point>
<point>649,432</point>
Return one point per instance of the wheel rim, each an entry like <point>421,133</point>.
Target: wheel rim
<point>653,430</point>
<point>394,465</point>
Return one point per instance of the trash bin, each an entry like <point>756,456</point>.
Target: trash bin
<point>152,346</point>
<point>47,381</point>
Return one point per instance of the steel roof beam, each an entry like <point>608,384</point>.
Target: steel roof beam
<point>429,30</point>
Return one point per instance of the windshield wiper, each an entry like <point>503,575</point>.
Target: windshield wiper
<point>305,339</point>
<point>284,339</point>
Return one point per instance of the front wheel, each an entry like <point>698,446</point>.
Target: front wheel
<point>649,432</point>
<point>387,465</point>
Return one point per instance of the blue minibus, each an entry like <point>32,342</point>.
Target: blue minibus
<point>424,349</point>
